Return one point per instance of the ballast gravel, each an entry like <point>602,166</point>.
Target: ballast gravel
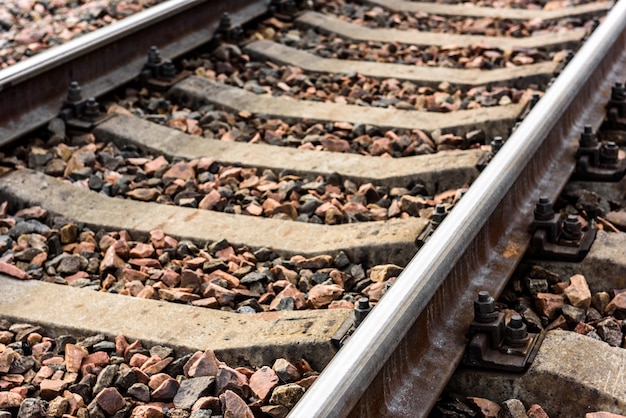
<point>29,26</point>
<point>213,275</point>
<point>97,377</point>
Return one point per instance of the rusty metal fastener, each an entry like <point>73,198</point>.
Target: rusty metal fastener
<point>495,345</point>
<point>558,238</point>
<point>349,326</point>
<point>534,99</point>
<point>74,93</point>
<point>167,70</point>
<point>515,333</point>
<point>609,153</point>
<point>226,23</point>
<point>543,209</point>
<point>227,31</point>
<point>616,108</point>
<point>572,228</point>
<point>485,308</point>
<point>618,92</point>
<point>587,138</point>
<point>496,144</point>
<point>79,114</point>
<point>158,74</point>
<point>282,8</point>
<point>91,109</point>
<point>154,57</point>
<point>361,310</point>
<point>439,214</point>
<point>598,162</point>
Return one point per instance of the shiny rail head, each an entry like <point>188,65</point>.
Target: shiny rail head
<point>345,380</point>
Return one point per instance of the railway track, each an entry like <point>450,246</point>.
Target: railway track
<point>355,140</point>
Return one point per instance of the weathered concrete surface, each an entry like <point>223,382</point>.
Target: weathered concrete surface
<point>584,10</point>
<point>522,76</point>
<point>196,91</point>
<point>329,24</point>
<point>239,339</point>
<point>438,172</point>
<point>371,242</point>
<point>571,375</point>
<point>614,191</point>
<point>604,267</point>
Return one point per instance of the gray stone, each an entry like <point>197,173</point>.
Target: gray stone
<point>535,286</point>
<point>177,413</point>
<point>573,315</point>
<point>28,227</point>
<point>105,378</point>
<point>95,411</point>
<point>108,346</point>
<point>201,413</point>
<point>287,395</point>
<point>57,127</point>
<point>161,351</point>
<point>58,406</point>
<point>532,320</point>
<point>22,364</point>
<point>89,342</point>
<point>286,304</point>
<point>71,264</point>
<point>125,379</point>
<point>32,408</point>
<point>140,392</point>
<point>175,368</point>
<point>5,243</point>
<point>192,389</point>
<point>252,277</point>
<point>512,408</point>
<point>610,330</point>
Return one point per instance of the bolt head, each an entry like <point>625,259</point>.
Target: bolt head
<point>572,226</point>
<point>484,306</point>
<point>516,333</point>
<point>543,209</point>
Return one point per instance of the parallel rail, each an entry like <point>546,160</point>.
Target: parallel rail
<point>105,59</point>
<point>399,359</point>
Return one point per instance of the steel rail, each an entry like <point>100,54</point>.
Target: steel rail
<point>400,358</point>
<point>34,90</point>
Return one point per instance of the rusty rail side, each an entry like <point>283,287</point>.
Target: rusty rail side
<point>33,91</point>
<point>400,358</point>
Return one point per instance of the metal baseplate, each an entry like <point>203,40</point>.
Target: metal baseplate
<point>598,161</point>
<point>495,344</point>
<point>616,109</point>
<point>559,238</point>
<point>341,337</point>
<point>159,74</point>
<point>81,114</point>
